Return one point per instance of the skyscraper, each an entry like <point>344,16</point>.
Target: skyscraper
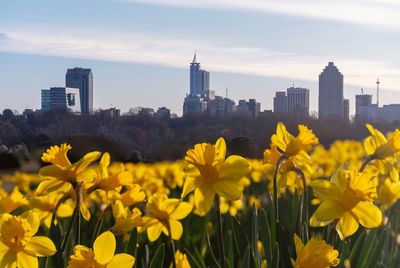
<point>298,101</point>
<point>199,79</point>
<point>330,99</point>
<point>280,103</point>
<point>45,100</point>
<point>82,79</point>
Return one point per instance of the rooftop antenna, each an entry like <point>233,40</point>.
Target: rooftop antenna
<point>362,91</point>
<point>377,92</point>
<point>226,92</point>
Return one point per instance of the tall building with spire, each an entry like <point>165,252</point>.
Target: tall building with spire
<point>199,79</point>
<point>330,99</point>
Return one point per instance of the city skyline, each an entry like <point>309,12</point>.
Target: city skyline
<point>156,39</point>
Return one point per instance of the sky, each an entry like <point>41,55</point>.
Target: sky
<point>140,50</point>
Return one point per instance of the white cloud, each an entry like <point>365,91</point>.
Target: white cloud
<point>177,52</point>
<point>370,12</point>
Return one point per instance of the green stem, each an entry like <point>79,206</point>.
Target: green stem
<point>78,205</point>
<point>99,224</point>
<point>221,250</point>
<point>275,186</point>
<point>171,241</point>
<point>68,234</point>
<point>303,205</point>
<point>366,162</point>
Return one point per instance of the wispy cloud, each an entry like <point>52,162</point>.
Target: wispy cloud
<point>370,12</point>
<point>177,52</point>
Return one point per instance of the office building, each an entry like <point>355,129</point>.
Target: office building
<point>199,79</point>
<point>280,103</point>
<point>362,100</point>
<point>346,109</point>
<point>45,100</point>
<point>83,80</point>
<point>298,101</point>
<point>220,107</point>
<point>194,104</point>
<point>61,99</point>
<point>330,99</point>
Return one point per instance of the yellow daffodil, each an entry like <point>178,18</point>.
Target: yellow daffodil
<point>315,254</point>
<point>107,180</point>
<point>209,173</point>
<point>18,245</point>
<point>231,206</point>
<point>380,147</point>
<point>181,260</point>
<point>388,194</point>
<point>11,201</point>
<point>61,173</point>
<point>348,197</point>
<point>44,207</point>
<point>125,219</point>
<point>291,145</point>
<point>164,215</point>
<point>102,254</point>
<point>132,195</point>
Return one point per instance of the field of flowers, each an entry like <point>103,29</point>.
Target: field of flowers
<point>301,206</point>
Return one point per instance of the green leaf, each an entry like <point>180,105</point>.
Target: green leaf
<point>356,248</point>
<point>192,260</point>
<point>265,235</point>
<point>254,234</point>
<point>211,252</point>
<point>158,259</point>
<point>376,251</point>
<point>131,247</point>
<point>366,248</point>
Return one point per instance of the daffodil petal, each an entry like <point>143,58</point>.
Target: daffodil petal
<point>24,260</point>
<point>316,223</point>
<point>228,189</point>
<point>346,226</point>
<point>234,168</point>
<point>9,259</point>
<point>104,247</point>
<point>329,210</point>
<point>181,211</point>
<point>41,246</point>
<point>33,219</point>
<point>48,186</point>
<point>189,185</point>
<point>325,189</point>
<point>122,260</point>
<point>203,198</point>
<point>154,231</point>
<point>176,229</point>
<point>298,244</point>
<point>368,214</point>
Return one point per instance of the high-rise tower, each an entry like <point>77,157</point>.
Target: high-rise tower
<point>330,99</point>
<point>199,79</point>
<point>82,79</point>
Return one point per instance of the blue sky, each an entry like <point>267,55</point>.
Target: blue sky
<point>140,50</point>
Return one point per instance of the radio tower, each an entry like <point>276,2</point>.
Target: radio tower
<point>377,92</point>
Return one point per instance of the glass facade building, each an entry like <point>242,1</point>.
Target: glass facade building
<point>83,80</point>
